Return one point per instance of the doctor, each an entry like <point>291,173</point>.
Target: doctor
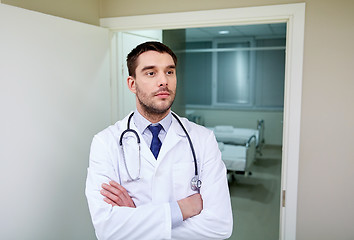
<point>146,193</point>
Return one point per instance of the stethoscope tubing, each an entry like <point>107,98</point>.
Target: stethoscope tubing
<point>195,182</point>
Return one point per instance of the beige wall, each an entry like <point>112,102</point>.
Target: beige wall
<point>325,195</point>
<point>86,11</point>
<point>118,8</point>
<point>326,192</point>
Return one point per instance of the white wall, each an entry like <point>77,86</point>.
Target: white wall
<point>54,96</point>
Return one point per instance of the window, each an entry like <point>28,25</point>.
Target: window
<point>197,76</point>
<point>233,79</point>
<point>242,72</point>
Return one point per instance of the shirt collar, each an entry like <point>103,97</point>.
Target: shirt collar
<point>142,123</point>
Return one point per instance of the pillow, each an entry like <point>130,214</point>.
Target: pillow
<point>224,128</point>
<point>221,146</point>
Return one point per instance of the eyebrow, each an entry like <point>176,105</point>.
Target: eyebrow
<point>152,67</point>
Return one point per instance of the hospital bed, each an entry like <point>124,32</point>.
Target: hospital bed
<point>239,146</point>
<point>238,158</point>
<point>240,136</point>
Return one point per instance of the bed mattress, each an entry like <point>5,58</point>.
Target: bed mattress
<point>233,156</point>
<point>229,134</point>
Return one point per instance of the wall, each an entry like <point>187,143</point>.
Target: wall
<point>54,96</point>
<point>325,195</point>
<point>86,11</point>
<point>326,192</point>
<point>119,8</point>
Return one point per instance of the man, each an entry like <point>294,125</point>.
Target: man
<point>145,192</point>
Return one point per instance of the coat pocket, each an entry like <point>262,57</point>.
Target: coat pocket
<point>183,172</point>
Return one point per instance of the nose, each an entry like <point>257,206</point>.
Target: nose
<point>163,80</point>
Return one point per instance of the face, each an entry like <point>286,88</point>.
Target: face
<point>155,83</point>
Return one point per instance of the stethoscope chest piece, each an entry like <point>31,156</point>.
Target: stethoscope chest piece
<point>196,183</point>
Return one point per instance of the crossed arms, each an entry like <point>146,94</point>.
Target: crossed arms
<point>207,215</point>
<point>116,195</point>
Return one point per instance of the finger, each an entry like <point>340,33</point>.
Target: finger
<point>109,201</point>
<point>116,190</point>
<point>118,194</point>
<point>108,187</point>
<point>115,198</point>
<point>118,186</point>
<point>123,193</point>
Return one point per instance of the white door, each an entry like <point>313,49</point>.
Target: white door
<point>127,41</point>
<point>54,96</point>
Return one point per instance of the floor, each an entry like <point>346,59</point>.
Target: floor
<point>255,199</point>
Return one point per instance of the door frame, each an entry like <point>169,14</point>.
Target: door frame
<point>119,90</point>
<point>294,16</point>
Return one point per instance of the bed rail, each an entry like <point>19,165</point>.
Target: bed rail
<point>261,141</point>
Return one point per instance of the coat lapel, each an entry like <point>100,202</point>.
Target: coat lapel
<point>174,135</point>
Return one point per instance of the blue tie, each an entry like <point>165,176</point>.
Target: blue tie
<point>155,143</point>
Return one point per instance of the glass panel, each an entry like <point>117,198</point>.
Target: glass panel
<point>198,75</point>
<point>270,74</point>
<point>233,74</point>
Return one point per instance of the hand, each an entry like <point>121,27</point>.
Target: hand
<point>116,195</point>
<point>191,206</point>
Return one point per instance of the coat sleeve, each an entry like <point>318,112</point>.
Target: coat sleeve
<point>215,221</point>
<point>148,221</point>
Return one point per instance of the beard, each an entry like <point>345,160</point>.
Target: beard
<point>151,108</point>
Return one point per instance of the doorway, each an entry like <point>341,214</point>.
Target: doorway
<point>233,77</point>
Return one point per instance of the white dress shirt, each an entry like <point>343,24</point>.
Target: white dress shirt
<point>142,124</point>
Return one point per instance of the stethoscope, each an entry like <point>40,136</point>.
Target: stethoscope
<point>195,182</point>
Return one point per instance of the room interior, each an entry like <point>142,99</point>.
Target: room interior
<point>324,193</point>
<point>259,52</point>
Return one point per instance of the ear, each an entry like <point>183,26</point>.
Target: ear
<point>131,84</point>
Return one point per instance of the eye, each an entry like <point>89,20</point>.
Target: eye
<point>150,73</point>
<point>170,72</point>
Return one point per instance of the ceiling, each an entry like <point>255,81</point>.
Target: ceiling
<point>260,30</point>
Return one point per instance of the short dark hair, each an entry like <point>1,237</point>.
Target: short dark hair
<point>144,47</point>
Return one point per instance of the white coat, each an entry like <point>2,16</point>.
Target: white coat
<point>164,180</point>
